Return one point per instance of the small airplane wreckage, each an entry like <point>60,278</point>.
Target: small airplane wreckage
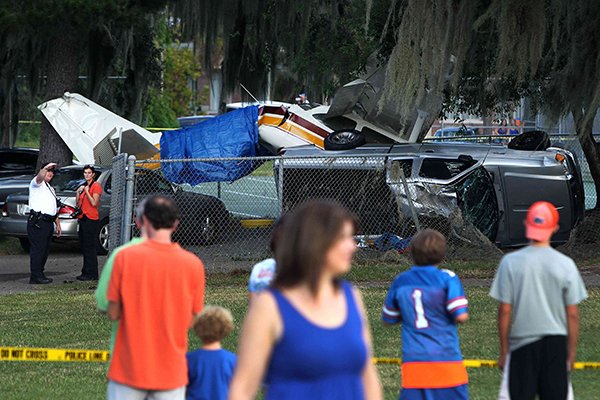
<point>94,134</point>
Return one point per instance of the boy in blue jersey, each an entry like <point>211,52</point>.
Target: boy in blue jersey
<point>429,302</point>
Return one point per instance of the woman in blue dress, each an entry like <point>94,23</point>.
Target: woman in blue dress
<point>308,337</point>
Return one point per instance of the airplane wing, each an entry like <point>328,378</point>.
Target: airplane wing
<point>92,132</point>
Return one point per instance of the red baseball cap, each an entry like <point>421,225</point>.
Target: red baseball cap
<point>541,222</point>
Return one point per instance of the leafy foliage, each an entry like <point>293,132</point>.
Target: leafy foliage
<point>107,33</point>
<point>335,51</point>
<point>159,113</point>
<point>175,98</point>
<point>485,55</point>
<point>180,68</point>
<point>312,44</point>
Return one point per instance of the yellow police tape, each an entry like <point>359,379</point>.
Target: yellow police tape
<point>65,355</point>
<point>468,363</point>
<point>75,355</point>
<point>484,363</point>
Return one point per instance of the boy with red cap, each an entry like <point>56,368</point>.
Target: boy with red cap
<point>539,290</point>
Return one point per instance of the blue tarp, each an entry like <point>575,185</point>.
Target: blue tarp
<point>234,134</point>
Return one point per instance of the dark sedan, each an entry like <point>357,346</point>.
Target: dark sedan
<point>200,213</point>
<point>18,161</point>
<point>17,167</point>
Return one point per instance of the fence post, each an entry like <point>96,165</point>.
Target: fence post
<point>280,184</point>
<point>117,200</point>
<point>410,201</point>
<point>128,209</point>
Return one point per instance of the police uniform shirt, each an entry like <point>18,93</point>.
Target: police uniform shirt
<point>41,198</point>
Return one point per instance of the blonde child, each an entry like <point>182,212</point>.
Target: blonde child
<point>210,368</point>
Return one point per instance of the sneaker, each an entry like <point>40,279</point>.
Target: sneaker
<point>85,278</point>
<point>39,281</point>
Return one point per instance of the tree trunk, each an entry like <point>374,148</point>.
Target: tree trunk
<point>590,147</point>
<point>140,71</point>
<point>62,76</point>
<point>487,121</point>
<point>9,111</point>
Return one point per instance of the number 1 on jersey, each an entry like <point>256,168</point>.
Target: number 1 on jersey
<point>421,321</point>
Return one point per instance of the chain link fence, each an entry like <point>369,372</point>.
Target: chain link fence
<point>228,224</point>
<point>571,143</point>
<point>117,201</point>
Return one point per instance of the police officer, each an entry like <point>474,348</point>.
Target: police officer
<point>43,214</point>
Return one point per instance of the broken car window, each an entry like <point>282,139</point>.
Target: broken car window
<point>439,168</point>
<point>337,123</point>
<point>478,203</point>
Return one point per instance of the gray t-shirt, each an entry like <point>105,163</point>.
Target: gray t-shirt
<point>539,282</point>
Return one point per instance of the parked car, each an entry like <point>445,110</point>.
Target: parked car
<point>13,184</point>
<point>204,218</point>
<point>489,186</point>
<point>201,214</point>
<point>18,161</point>
<point>17,167</point>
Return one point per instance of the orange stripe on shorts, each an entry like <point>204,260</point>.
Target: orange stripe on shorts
<point>433,374</point>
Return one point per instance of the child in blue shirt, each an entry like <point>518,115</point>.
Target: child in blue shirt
<point>210,368</point>
<point>264,272</point>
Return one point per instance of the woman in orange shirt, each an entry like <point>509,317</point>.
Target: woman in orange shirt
<point>88,199</point>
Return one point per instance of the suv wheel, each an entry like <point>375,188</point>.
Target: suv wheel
<point>346,139</point>
<point>102,245</point>
<point>530,141</point>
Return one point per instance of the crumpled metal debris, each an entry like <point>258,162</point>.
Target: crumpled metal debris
<point>465,210</point>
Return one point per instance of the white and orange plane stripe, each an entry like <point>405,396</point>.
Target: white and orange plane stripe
<point>294,124</point>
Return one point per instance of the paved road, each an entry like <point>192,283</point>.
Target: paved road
<point>248,197</point>
<point>63,265</point>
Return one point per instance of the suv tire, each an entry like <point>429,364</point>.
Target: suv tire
<point>344,139</point>
<point>102,244</point>
<point>530,141</point>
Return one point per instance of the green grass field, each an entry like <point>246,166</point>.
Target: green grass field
<point>10,246</point>
<point>65,317</point>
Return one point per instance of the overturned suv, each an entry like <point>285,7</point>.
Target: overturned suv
<point>452,187</point>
